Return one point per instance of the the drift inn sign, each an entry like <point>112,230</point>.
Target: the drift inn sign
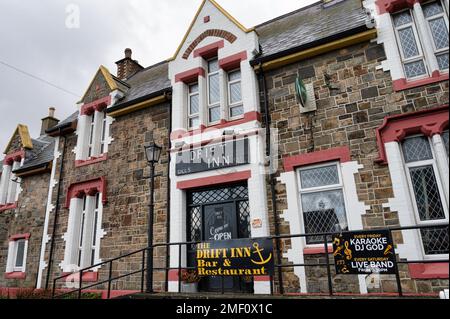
<point>212,156</point>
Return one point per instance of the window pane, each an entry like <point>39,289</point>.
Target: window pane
<point>319,176</point>
<point>432,9</point>
<point>435,240</point>
<point>439,32</point>
<point>442,61</point>
<point>235,93</point>
<point>445,139</point>
<point>213,66</point>
<point>414,69</point>
<point>402,18</point>
<point>417,149</point>
<point>20,253</point>
<point>323,212</point>
<point>214,89</point>
<point>193,88</point>
<point>194,122</point>
<point>236,111</point>
<point>427,193</point>
<point>214,114</point>
<point>235,75</point>
<point>194,104</point>
<point>408,42</point>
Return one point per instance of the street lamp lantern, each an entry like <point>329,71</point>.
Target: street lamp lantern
<point>152,152</point>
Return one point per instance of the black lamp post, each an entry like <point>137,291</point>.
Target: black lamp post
<point>152,152</point>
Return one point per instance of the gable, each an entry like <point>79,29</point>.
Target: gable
<point>20,139</point>
<point>101,85</point>
<point>210,20</point>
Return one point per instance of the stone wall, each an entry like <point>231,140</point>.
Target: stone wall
<point>353,98</point>
<point>125,215</point>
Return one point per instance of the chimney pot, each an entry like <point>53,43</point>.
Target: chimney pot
<point>49,121</point>
<point>51,112</point>
<point>127,66</point>
<point>128,53</point>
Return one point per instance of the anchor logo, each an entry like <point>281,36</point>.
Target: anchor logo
<point>258,251</point>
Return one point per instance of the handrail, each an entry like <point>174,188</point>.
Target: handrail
<point>278,266</point>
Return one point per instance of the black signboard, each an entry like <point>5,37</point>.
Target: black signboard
<point>236,257</point>
<point>364,252</point>
<point>210,157</point>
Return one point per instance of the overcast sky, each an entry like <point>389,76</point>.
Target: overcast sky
<point>42,39</point>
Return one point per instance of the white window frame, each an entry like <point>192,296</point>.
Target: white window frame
<point>217,104</point>
<point>82,232</point>
<point>103,141</point>
<point>91,141</point>
<point>16,250</point>
<point>339,186</point>
<point>236,104</point>
<point>94,241</point>
<point>441,15</point>
<point>433,164</point>
<point>421,56</point>
<point>193,115</point>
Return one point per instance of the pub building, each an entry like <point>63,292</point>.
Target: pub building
<point>330,118</point>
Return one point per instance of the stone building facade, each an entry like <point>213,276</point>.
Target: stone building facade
<point>334,126</point>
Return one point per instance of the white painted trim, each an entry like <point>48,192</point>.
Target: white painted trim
<point>442,163</point>
<point>49,208</point>
<point>12,256</point>
<point>4,184</point>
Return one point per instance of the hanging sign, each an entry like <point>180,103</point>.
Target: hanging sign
<point>236,257</point>
<point>214,156</point>
<point>364,252</point>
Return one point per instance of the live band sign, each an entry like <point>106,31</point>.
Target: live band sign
<point>364,252</point>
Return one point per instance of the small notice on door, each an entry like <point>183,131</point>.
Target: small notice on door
<point>364,252</point>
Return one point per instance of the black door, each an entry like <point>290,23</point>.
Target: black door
<point>219,214</point>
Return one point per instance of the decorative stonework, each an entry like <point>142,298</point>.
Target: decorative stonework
<point>209,33</point>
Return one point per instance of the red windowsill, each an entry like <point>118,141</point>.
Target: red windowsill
<point>403,84</point>
<point>317,250</point>
<point>15,275</point>
<point>8,206</point>
<point>429,271</point>
<point>91,160</point>
<point>90,276</point>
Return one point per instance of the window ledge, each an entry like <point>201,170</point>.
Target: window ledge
<point>90,276</point>
<point>317,250</point>
<point>8,206</point>
<point>429,271</point>
<point>91,160</point>
<point>404,84</point>
<point>15,275</point>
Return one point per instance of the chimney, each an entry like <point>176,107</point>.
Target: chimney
<point>49,121</point>
<point>127,66</point>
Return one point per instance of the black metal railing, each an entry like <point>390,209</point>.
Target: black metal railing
<point>180,268</point>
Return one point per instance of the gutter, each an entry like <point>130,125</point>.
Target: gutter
<point>32,170</point>
<point>318,46</point>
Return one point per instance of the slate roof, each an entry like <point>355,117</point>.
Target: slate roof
<point>309,24</point>
<point>42,153</point>
<point>65,122</point>
<point>150,80</point>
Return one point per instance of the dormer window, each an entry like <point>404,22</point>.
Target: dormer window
<point>9,182</point>
<point>213,91</point>
<point>235,94</point>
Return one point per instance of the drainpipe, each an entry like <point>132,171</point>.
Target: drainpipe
<point>272,175</point>
<point>168,197</point>
<point>55,220</point>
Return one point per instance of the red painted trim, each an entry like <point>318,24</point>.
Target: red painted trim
<point>8,206</point>
<point>20,236</point>
<point>15,275</point>
<point>403,84</point>
<point>206,19</point>
<point>213,141</point>
<point>215,180</point>
<point>396,128</point>
<point>248,117</point>
<point>372,294</point>
<point>90,276</point>
<point>233,61</point>
<point>261,278</point>
<point>190,75</point>
<point>317,250</point>
<point>91,160</point>
<point>13,291</point>
<point>90,188</point>
<point>97,105</point>
<point>210,50</point>
<point>391,6</point>
<point>338,153</point>
<point>14,157</point>
<point>429,271</point>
